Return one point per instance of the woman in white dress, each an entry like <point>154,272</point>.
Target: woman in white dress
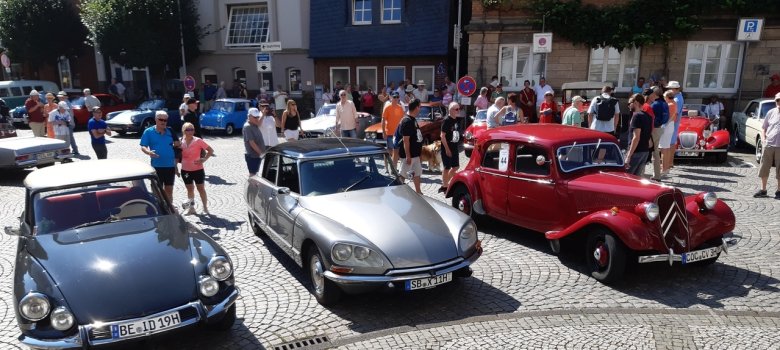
<point>268,126</point>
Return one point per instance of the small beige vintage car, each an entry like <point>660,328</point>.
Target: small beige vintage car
<point>27,152</point>
<point>746,124</point>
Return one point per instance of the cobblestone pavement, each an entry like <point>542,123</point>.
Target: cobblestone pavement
<point>520,295</point>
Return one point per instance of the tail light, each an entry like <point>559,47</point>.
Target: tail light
<point>22,158</point>
<point>65,151</point>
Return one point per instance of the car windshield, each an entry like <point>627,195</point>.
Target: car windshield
<point>588,155</point>
<point>329,109</point>
<point>427,113</point>
<point>222,106</point>
<point>328,176</point>
<point>481,115</point>
<point>152,104</point>
<point>766,107</point>
<point>97,204</point>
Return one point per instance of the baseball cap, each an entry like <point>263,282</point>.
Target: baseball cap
<point>254,112</point>
<point>395,94</point>
<point>62,93</point>
<point>549,93</point>
<point>577,98</point>
<point>94,109</point>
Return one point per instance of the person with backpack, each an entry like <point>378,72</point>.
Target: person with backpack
<point>604,112</point>
<point>661,117</point>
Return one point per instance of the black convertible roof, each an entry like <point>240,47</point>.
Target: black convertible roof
<point>324,147</point>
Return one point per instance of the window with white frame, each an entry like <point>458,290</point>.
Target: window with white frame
<point>391,11</point>
<point>516,64</point>
<point>247,25</point>
<point>366,78</point>
<point>712,66</point>
<point>361,12</point>
<point>607,64</point>
<point>394,74</point>
<point>424,73</point>
<point>65,77</point>
<point>339,74</point>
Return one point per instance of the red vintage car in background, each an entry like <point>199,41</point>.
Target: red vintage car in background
<point>429,120</point>
<point>570,184</point>
<point>473,131</point>
<point>108,103</point>
<point>699,136</point>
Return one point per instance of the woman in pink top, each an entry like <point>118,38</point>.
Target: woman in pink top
<point>482,101</point>
<point>192,160</point>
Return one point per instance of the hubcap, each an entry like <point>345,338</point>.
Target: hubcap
<point>464,204</point>
<point>317,277</point>
<point>759,150</point>
<point>601,255</point>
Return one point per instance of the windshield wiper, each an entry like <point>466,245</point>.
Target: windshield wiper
<point>100,222</point>
<point>357,183</point>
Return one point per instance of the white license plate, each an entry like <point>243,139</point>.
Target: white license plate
<point>117,128</point>
<point>699,255</point>
<point>686,154</point>
<point>430,282</point>
<point>46,155</point>
<point>147,326</point>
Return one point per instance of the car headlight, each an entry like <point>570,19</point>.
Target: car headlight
<point>709,199</point>
<point>61,319</point>
<point>372,135</point>
<point>208,286</point>
<point>220,268</point>
<point>34,306</point>
<point>355,255</point>
<point>702,142</point>
<point>468,135</point>
<point>651,211</point>
<point>467,237</point>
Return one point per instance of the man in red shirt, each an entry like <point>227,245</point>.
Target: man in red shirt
<point>774,86</point>
<point>35,114</point>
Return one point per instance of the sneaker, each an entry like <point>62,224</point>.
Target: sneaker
<point>760,194</point>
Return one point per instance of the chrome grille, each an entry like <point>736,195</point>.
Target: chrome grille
<point>673,221</point>
<point>688,139</point>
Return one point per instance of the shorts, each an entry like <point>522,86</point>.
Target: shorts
<point>390,142</point>
<point>166,175</point>
<point>291,134</point>
<point>665,141</point>
<point>197,176</point>
<point>770,155</point>
<point>450,162</point>
<point>415,168</point>
<point>676,130</point>
<point>252,164</point>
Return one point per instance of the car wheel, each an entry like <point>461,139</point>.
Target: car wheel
<point>467,153</point>
<point>461,200</point>
<point>121,133</point>
<point>325,291</point>
<point>252,223</point>
<point>148,122</point>
<point>229,129</point>
<point>735,136</point>
<point>227,321</point>
<point>605,255</point>
<point>759,149</point>
<point>555,246</point>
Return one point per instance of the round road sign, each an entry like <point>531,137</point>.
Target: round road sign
<point>189,83</point>
<point>467,86</point>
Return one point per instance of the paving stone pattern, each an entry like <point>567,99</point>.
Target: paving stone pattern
<point>520,295</point>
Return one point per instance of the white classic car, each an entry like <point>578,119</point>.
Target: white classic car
<point>746,125</point>
<point>26,152</point>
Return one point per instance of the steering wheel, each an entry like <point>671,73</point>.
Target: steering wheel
<point>136,207</point>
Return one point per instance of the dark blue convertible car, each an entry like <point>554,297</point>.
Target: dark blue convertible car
<point>103,258</point>
<point>137,120</point>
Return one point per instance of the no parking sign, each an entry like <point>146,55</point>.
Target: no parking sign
<point>467,86</point>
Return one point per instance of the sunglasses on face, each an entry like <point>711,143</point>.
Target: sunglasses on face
<point>189,129</point>
<point>164,120</point>
<point>456,109</point>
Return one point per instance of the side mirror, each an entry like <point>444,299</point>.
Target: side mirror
<point>540,160</point>
<point>283,190</point>
<point>11,231</point>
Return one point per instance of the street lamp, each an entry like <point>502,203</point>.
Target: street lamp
<point>183,69</point>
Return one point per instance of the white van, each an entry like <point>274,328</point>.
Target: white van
<point>15,92</point>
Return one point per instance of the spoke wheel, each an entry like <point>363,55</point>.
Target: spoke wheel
<point>605,255</point>
<point>325,291</point>
<point>759,149</point>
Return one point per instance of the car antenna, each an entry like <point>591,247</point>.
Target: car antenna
<point>342,143</point>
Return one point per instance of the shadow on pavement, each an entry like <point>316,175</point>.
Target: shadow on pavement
<point>13,177</point>
<point>216,180</point>
<point>717,173</point>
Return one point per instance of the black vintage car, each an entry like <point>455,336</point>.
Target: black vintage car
<point>103,258</point>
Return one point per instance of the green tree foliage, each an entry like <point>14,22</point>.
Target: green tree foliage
<point>40,31</point>
<point>141,33</point>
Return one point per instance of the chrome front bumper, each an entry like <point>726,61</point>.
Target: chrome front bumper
<point>672,257</point>
<point>86,332</point>
<point>407,274</point>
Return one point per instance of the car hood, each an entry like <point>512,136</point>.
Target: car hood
<point>319,123</point>
<point>694,124</point>
<point>120,270</point>
<point>604,190</point>
<point>377,128</point>
<point>398,221</point>
<point>24,145</point>
<point>126,117</point>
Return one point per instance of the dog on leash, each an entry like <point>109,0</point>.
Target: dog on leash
<point>432,154</point>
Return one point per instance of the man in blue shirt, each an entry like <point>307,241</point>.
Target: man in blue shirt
<point>158,142</point>
<point>661,117</point>
<point>97,133</point>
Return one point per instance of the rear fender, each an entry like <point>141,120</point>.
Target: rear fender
<point>718,139</point>
<point>629,227</point>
